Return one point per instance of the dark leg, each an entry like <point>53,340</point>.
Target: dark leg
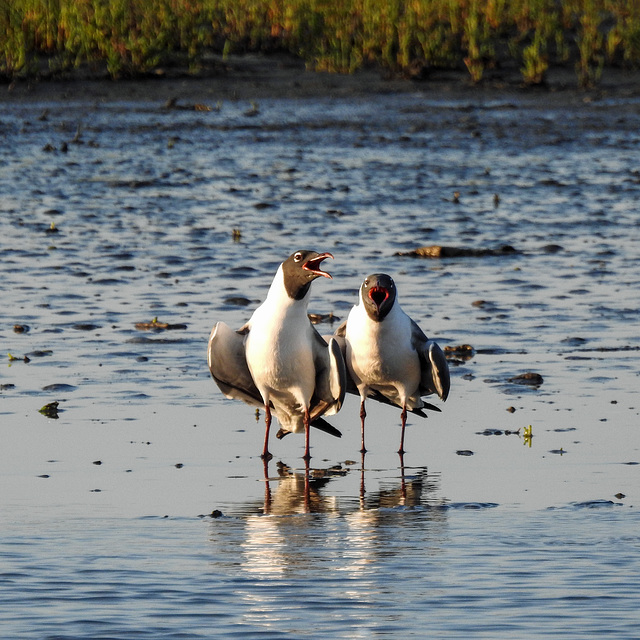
<point>362,489</point>
<point>267,421</point>
<point>403,485</point>
<point>267,488</point>
<point>307,486</point>
<point>363,415</point>
<point>403,417</point>
<point>307,452</point>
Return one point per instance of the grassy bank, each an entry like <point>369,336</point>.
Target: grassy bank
<point>410,37</point>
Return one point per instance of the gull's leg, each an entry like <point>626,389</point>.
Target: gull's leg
<point>267,421</point>
<point>267,488</point>
<point>403,484</point>
<point>307,428</point>
<point>403,417</point>
<point>363,415</point>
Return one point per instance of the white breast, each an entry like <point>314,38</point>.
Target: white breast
<point>280,357</point>
<point>380,355</point>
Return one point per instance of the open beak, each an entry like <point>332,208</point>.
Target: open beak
<point>378,295</point>
<point>313,265</point>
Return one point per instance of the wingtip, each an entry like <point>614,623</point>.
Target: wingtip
<point>439,371</point>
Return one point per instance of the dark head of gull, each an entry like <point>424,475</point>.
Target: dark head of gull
<point>378,293</point>
<point>300,269</point>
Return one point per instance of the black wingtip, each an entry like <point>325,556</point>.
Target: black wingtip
<point>318,423</point>
<point>323,425</point>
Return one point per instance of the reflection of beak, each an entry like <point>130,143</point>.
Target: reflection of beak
<point>378,295</point>
<point>313,265</point>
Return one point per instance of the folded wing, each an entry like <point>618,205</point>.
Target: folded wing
<point>228,364</point>
<point>435,370</point>
<point>331,378</point>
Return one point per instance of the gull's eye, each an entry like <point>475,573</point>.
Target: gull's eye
<point>366,283</point>
<point>297,257</point>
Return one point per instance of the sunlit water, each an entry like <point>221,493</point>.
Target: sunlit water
<point>107,527</point>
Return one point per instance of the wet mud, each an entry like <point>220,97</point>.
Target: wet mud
<point>132,220</point>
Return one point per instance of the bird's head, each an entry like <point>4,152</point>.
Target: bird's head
<point>378,293</point>
<point>300,269</point>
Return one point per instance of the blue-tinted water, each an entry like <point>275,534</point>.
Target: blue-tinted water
<point>371,573</point>
<point>106,525</point>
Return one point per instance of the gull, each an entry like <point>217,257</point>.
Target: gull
<point>388,356</point>
<point>278,360</point>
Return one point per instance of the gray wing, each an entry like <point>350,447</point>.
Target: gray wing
<point>331,377</point>
<point>435,370</point>
<point>339,338</point>
<point>228,364</point>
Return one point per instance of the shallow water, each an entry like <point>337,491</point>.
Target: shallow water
<point>107,528</point>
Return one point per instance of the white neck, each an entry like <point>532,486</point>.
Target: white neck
<point>278,295</point>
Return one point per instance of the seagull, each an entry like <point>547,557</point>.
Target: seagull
<point>278,360</point>
<point>388,356</point>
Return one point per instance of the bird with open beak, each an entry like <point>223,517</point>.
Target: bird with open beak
<point>388,356</point>
<point>278,360</point>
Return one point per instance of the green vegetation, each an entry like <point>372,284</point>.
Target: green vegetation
<point>133,37</point>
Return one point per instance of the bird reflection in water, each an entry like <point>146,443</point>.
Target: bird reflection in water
<point>294,491</point>
<point>350,530</point>
<point>299,491</point>
<point>418,489</point>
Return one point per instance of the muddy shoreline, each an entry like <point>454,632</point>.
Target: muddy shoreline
<point>255,77</point>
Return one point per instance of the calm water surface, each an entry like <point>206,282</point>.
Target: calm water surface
<point>108,527</point>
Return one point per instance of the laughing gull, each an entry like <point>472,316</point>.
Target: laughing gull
<point>388,357</point>
<point>278,360</point>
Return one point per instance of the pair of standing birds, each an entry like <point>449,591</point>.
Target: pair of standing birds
<point>280,362</point>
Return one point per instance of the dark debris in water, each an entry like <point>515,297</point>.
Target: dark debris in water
<point>238,301</point>
<point>50,410</point>
<point>530,379</point>
<point>595,504</point>
<point>574,341</point>
<point>86,326</point>
<point>145,340</point>
<point>438,251</point>
<point>459,352</point>
<point>498,432</point>
<point>552,248</point>
<point>156,325</point>
<point>60,387</point>
<point>13,358</point>
<point>317,318</point>
<point>613,349</point>
<point>40,353</point>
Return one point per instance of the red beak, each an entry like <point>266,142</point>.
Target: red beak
<point>378,295</point>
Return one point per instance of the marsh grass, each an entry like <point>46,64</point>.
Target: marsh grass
<point>411,37</point>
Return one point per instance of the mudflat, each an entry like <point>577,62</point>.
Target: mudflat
<point>254,77</point>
